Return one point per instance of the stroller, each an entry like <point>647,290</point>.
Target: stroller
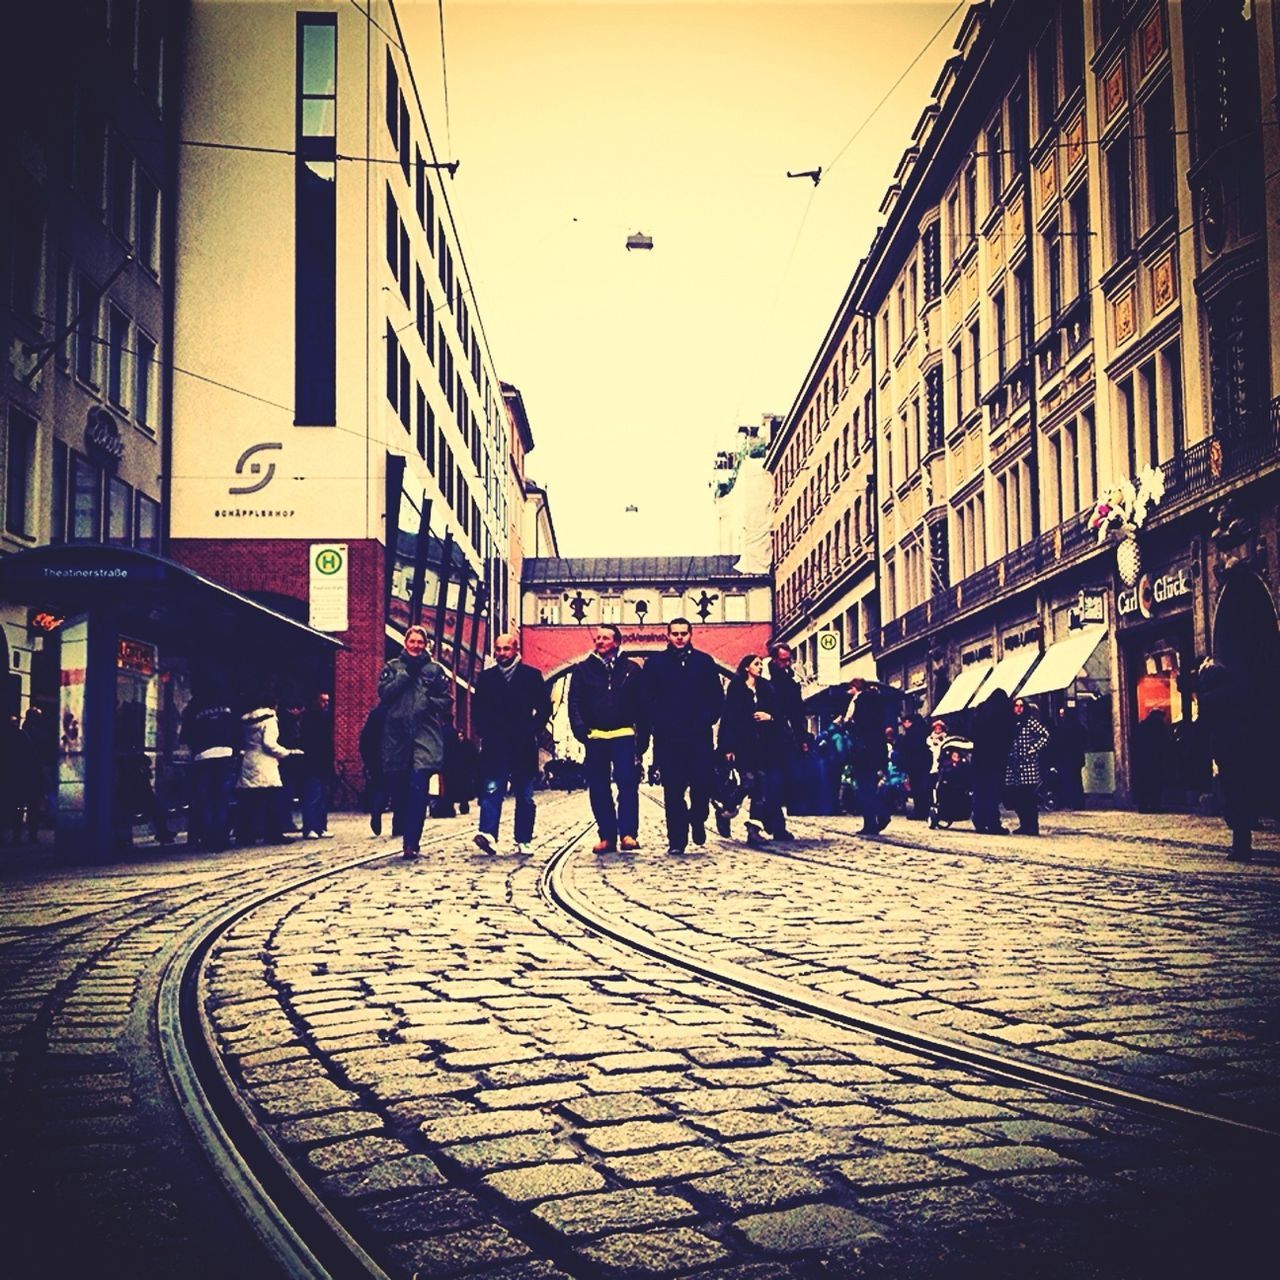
<point>951,792</point>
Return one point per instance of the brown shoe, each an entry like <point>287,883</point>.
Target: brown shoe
<point>629,844</point>
<point>604,846</point>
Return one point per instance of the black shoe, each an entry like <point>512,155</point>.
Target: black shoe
<point>755,833</point>
<point>676,848</point>
<point>865,830</point>
<point>698,832</point>
<point>375,823</point>
<point>723,825</point>
<point>782,834</point>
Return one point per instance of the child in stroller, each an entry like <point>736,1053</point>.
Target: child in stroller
<point>951,794</point>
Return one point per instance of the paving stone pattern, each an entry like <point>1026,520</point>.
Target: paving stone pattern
<point>476,1085</point>
<point>1092,952</point>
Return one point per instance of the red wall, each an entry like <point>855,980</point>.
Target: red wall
<point>283,567</point>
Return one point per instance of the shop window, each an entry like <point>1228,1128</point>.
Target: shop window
<point>146,533</point>
<point>119,512</point>
<point>86,500</point>
<point>19,474</point>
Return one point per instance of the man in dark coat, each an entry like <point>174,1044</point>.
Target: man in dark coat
<point>790,698</point>
<point>1238,737</point>
<point>1066,754</point>
<point>315,730</point>
<point>682,700</point>
<point>606,717</point>
<point>993,729</point>
<point>914,759</point>
<point>510,710</point>
<point>212,733</point>
<point>866,718</point>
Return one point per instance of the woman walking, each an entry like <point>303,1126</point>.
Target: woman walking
<point>993,728</point>
<point>419,713</point>
<point>752,738</point>
<point>1022,773</point>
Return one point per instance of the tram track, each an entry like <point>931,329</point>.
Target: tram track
<point>1026,1068</point>
<point>304,1236</point>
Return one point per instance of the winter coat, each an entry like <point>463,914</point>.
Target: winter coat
<point>210,730</point>
<point>755,744</point>
<point>790,698</point>
<point>315,730</point>
<point>419,714</point>
<point>509,716</point>
<point>261,751</point>
<point>370,744</point>
<point>1030,738</point>
<point>682,698</point>
<point>993,730</point>
<point>601,698</point>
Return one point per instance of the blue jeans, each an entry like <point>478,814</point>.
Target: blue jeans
<point>609,761</point>
<point>494,787</point>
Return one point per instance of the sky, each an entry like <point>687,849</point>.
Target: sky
<point>577,124</point>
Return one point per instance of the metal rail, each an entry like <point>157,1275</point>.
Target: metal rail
<point>291,1222</point>
<point>893,1031</point>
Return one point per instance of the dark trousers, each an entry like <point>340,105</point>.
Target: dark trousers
<point>866,785</point>
<point>315,804</point>
<point>687,767</point>
<point>765,786</point>
<point>1022,800</point>
<point>986,800</point>
<point>610,761</point>
<point>209,818</point>
<point>258,814</point>
<point>413,808</point>
<point>494,786</point>
<point>921,792</point>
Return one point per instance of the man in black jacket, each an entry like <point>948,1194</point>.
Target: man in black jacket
<point>510,710</point>
<point>606,717</point>
<point>682,701</point>
<point>790,698</point>
<point>212,733</point>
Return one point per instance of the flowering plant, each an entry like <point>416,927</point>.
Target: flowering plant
<point>1123,508</point>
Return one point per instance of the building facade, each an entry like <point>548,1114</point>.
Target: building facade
<point>822,465</point>
<point>1069,294</point>
<point>348,418</point>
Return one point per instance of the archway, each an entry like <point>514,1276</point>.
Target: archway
<point>1246,631</point>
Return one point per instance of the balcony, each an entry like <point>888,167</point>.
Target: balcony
<point>1225,457</point>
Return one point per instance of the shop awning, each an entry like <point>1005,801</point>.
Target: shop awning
<point>72,579</point>
<point>1011,670</point>
<point>1062,662</point>
<point>963,687</point>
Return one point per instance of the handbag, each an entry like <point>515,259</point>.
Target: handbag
<point>730,790</point>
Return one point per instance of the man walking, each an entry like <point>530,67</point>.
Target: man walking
<point>682,700</point>
<point>790,699</point>
<point>605,715</point>
<point>511,709</point>
<point>870,752</point>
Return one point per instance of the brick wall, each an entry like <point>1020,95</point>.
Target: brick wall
<point>282,566</point>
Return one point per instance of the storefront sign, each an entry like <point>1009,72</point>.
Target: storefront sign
<point>1154,594</point>
<point>43,620</point>
<point>1091,606</point>
<point>328,595</point>
<point>102,438</point>
<point>136,656</point>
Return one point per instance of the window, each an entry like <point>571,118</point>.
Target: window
<point>119,512</point>
<point>151,51</point>
<point>1072,19</point>
<point>144,381</point>
<point>953,227</point>
<point>120,189</point>
<point>393,99</point>
<point>90,140</point>
<point>1018,128</point>
<point>1046,65</point>
<point>933,407</point>
<point>117,345</point>
<point>88,309</point>
<point>1158,154</point>
<point>406,406</point>
<point>148,223</point>
<point>86,500</point>
<point>931,253</point>
<point>315,215</point>
<point>430,440</point>
<point>393,365</point>
<point>1053,269</point>
<point>58,494</point>
<point>27,261</point>
<point>1026,321</point>
<point>19,474</point>
<point>405,264</point>
<point>421,419</point>
<point>995,161</point>
<point>1078,209</point>
<point>971,201</point>
<point>147,528</point>
<point>1119,199</point>
<point>975,356</point>
<point>404,139</point>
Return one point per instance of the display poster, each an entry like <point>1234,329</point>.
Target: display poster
<point>328,590</point>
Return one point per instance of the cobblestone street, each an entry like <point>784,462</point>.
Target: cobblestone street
<point>475,1082</point>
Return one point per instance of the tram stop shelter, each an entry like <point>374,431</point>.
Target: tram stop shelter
<point>122,638</point>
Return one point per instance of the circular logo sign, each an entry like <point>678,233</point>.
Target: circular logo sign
<point>329,560</point>
<point>828,640</point>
